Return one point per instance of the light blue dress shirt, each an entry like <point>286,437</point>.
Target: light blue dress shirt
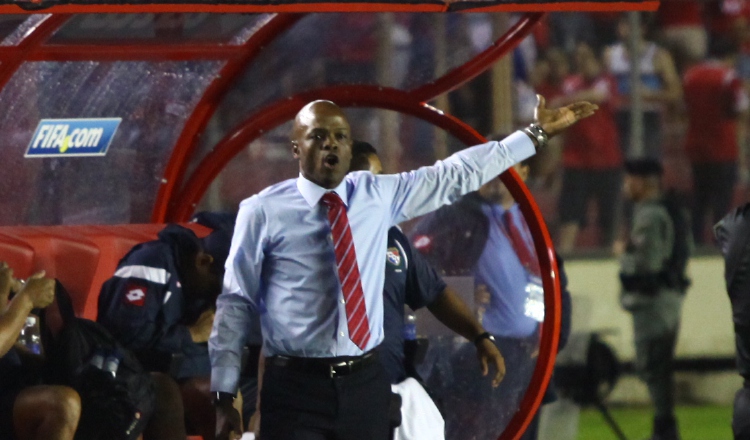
<point>281,264</point>
<point>500,269</point>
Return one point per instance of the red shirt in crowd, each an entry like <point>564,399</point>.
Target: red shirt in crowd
<point>676,13</point>
<point>713,97</point>
<point>721,15</point>
<point>593,143</point>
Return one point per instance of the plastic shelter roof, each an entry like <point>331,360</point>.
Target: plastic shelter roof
<point>164,76</point>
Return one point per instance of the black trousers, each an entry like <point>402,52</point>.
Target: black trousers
<point>297,405</point>
<point>713,188</point>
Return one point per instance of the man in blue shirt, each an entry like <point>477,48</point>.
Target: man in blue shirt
<point>484,234</point>
<point>410,280</point>
<point>307,255</point>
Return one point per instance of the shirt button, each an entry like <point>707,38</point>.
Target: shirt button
<point>330,237</point>
<point>343,301</point>
<point>341,334</point>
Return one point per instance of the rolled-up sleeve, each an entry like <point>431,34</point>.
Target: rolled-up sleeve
<point>237,306</point>
<point>418,192</point>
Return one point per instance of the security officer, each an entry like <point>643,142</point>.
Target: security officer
<point>654,303</point>
<point>733,236</point>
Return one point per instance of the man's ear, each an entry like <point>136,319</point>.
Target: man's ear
<point>295,149</point>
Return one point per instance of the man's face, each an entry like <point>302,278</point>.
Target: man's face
<point>633,186</point>
<point>203,280</point>
<point>495,190</point>
<point>321,141</point>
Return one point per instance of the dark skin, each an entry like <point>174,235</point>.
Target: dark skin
<point>321,141</point>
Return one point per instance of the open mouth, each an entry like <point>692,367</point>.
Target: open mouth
<point>331,160</point>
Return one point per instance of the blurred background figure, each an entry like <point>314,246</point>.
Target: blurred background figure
<point>591,156</point>
<point>660,84</point>
<point>648,290</point>
<point>717,105</point>
<point>733,236</point>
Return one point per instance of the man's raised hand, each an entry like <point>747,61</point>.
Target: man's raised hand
<point>554,121</point>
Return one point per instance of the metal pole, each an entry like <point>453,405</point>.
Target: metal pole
<point>440,144</point>
<point>502,86</point>
<point>636,101</point>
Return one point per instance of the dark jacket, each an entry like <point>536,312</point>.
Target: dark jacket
<point>145,307</point>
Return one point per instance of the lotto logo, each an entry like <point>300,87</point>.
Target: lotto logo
<point>136,295</point>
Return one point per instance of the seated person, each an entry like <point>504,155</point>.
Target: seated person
<point>159,303</point>
<point>29,412</point>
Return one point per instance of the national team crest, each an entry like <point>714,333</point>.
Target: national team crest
<point>393,256</point>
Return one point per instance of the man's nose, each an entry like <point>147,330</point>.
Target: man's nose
<point>331,143</point>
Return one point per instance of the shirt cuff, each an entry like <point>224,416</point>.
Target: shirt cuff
<point>520,146</point>
<point>225,379</point>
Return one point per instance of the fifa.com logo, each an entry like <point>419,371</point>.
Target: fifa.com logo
<point>72,137</point>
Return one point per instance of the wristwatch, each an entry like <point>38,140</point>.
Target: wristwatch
<point>537,134</point>
<point>221,397</point>
<point>485,335</point>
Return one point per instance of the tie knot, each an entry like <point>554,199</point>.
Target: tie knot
<point>331,199</point>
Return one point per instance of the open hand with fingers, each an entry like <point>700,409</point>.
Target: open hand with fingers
<point>554,121</point>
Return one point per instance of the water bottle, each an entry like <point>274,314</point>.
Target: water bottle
<point>410,327</point>
<point>31,336</point>
<point>111,364</point>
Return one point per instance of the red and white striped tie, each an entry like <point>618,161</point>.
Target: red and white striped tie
<point>346,260</point>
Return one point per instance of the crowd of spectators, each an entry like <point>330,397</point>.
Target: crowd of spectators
<point>694,60</point>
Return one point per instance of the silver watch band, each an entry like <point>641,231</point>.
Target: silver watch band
<point>537,135</point>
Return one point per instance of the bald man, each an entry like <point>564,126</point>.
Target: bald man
<point>307,257</point>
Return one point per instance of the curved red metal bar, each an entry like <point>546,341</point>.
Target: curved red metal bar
<point>391,99</point>
<point>195,124</point>
<point>29,45</point>
<point>474,67</point>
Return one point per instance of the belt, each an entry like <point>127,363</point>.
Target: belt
<point>329,367</point>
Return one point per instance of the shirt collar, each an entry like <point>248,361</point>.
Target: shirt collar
<point>313,192</point>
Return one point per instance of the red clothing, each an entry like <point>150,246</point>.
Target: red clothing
<point>593,143</point>
<point>674,13</point>
<point>713,96</point>
<point>548,90</point>
<point>721,15</point>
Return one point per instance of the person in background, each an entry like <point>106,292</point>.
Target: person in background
<point>733,237</point>
<point>410,280</point>
<point>682,31</point>
<point>717,108</point>
<point>307,255</point>
<point>160,304</point>
<point>648,294</point>
<point>485,235</point>
<point>660,84</point>
<point>591,156</point>
<point>29,412</point>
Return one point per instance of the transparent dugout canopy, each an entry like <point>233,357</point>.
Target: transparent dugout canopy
<point>184,87</point>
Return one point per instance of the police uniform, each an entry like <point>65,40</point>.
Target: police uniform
<point>654,306</point>
<point>145,307</point>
